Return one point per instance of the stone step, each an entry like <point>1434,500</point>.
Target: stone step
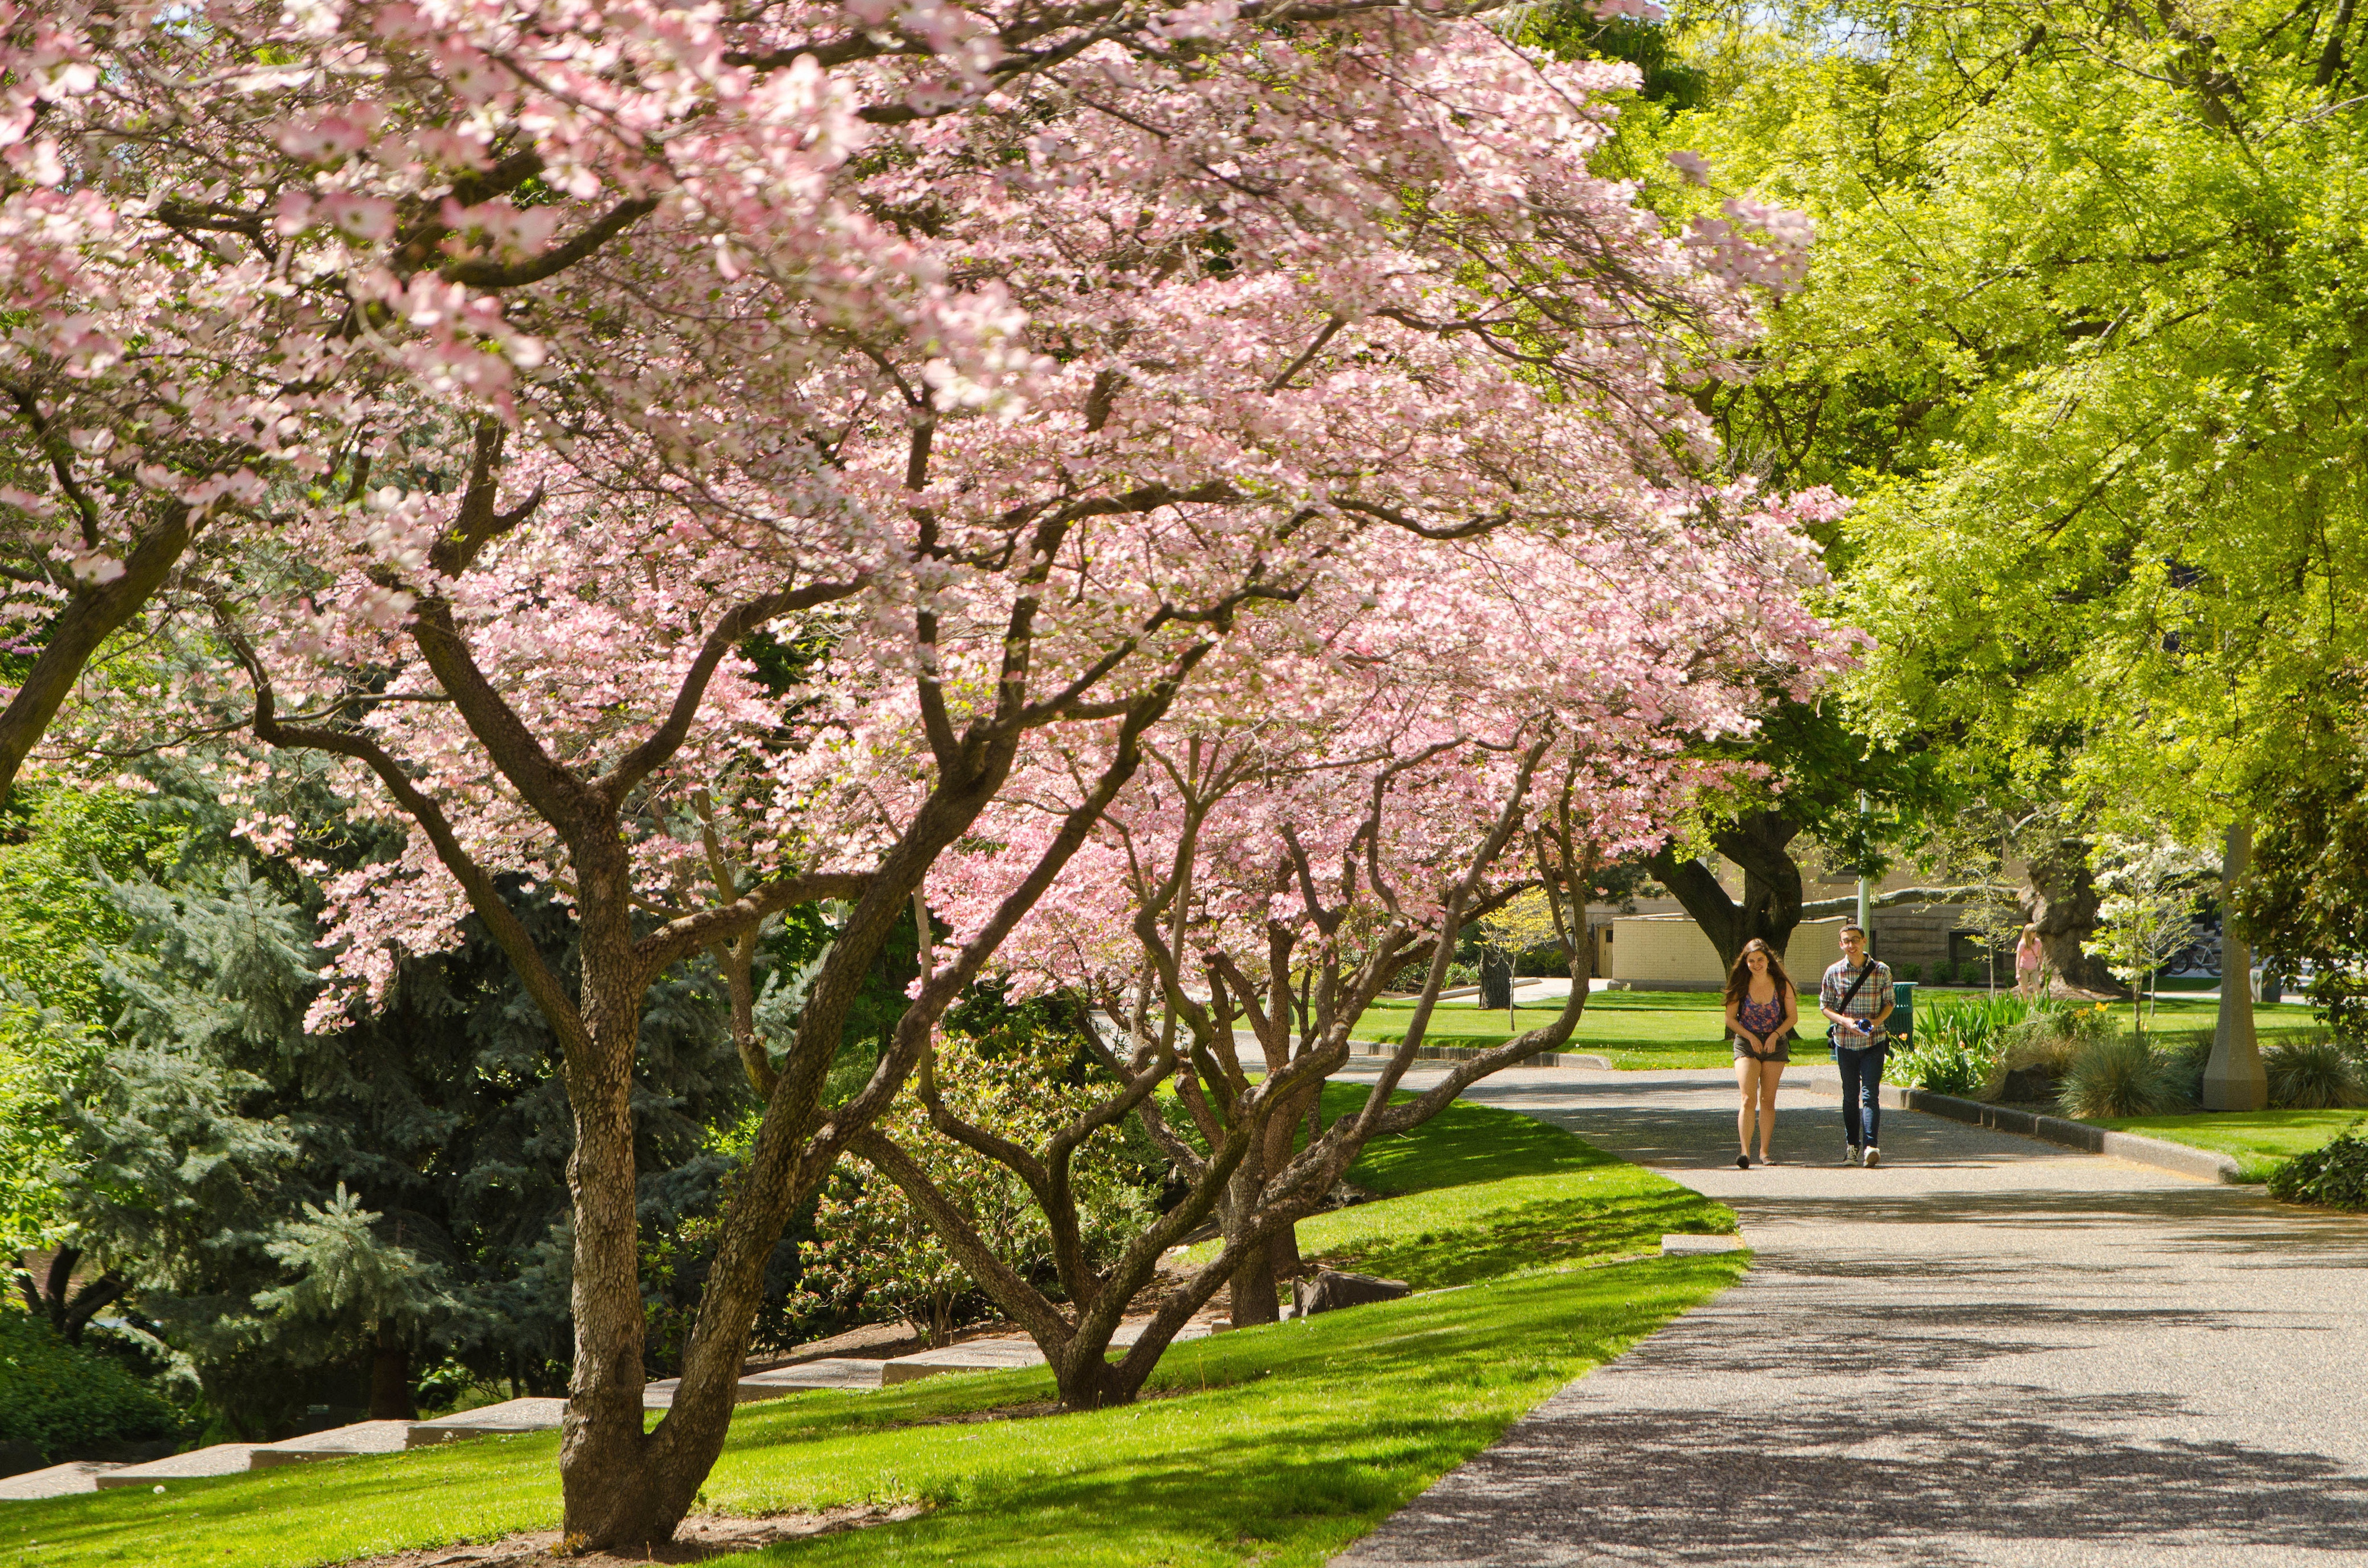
<point>978,1355</point>
<point>1126,1333</point>
<point>832,1373</point>
<point>1004,1354</point>
<point>58,1480</point>
<point>222,1459</point>
<point>507,1419</point>
<point>342,1442</point>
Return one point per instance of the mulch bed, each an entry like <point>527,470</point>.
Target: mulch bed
<point>700,1538</point>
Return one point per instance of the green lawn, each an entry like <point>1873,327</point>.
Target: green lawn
<point>1683,1029</point>
<point>2262,1139</point>
<point>1633,1028</point>
<point>1272,1446</point>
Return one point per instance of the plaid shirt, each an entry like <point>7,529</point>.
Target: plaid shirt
<point>1872,998</point>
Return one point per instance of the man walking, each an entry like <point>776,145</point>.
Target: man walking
<point>1855,996</point>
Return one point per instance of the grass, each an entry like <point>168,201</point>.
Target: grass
<point>1639,1029</point>
<point>2260,1140</point>
<point>1633,1028</point>
<point>1273,1446</point>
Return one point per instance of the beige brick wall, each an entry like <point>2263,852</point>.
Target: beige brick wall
<point>1646,950</point>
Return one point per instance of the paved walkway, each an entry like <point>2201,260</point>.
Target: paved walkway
<point>1990,1351</point>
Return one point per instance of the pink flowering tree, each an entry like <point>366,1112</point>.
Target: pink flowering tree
<point>1498,716</point>
<point>526,363</point>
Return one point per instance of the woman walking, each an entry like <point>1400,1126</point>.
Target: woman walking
<point>1763,1008</point>
<point>2029,958</point>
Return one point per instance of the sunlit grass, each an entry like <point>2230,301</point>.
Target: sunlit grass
<point>2262,1139</point>
<point>1643,1030</point>
<point>1277,1445</point>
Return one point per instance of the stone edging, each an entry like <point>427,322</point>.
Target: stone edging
<point>1370,1048</point>
<point>2160,1153</point>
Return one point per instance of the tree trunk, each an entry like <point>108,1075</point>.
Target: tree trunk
<point>1087,1379</point>
<point>391,1377</point>
<point>1252,1293</point>
<point>2064,908</point>
<point>612,1495</point>
<point>1282,1142</point>
<point>1770,907</point>
<point>2233,1076</point>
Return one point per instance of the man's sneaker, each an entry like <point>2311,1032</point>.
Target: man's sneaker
<point>1874,1157</point>
<point>1849,1155</point>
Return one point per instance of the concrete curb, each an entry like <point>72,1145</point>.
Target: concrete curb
<point>2159,1153</point>
<point>1372,1049</point>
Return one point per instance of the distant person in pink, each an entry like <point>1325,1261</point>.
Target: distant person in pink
<point>2030,964</point>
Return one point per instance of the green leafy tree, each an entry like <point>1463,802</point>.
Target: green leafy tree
<point>56,842</point>
<point>2083,334</point>
<point>2308,899</point>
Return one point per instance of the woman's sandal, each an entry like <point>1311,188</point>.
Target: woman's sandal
<point>1743,1161</point>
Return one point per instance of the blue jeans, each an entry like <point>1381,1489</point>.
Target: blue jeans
<point>1862,1086</point>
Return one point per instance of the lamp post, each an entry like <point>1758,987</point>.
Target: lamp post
<point>1865,898</point>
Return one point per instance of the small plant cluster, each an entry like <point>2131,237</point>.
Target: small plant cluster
<point>1997,1046</point>
<point>2316,1072</point>
<point>2335,1173</point>
<point>2002,1047</point>
<point>1958,1043</point>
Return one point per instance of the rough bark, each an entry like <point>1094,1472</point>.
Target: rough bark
<point>1252,1297</point>
<point>611,1495</point>
<point>2064,902</point>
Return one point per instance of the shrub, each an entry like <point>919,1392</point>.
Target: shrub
<point>1944,974</point>
<point>1943,1066</point>
<point>2183,1059</point>
<point>2313,1073</point>
<point>1911,972</point>
<point>875,1254</point>
<point>2035,1047</point>
<point>2116,1077</point>
<point>2335,1173</point>
<point>1957,1043</point>
<point>65,1401</point>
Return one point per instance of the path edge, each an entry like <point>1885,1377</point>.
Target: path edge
<point>2160,1153</point>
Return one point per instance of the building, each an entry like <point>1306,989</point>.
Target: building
<point>1657,946</point>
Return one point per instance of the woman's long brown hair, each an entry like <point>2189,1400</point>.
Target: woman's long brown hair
<point>1739,979</point>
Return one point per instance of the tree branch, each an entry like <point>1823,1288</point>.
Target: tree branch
<point>678,938</point>
<point>726,634</point>
<point>1966,895</point>
<point>488,274</point>
<point>93,613</point>
<point>508,930</point>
